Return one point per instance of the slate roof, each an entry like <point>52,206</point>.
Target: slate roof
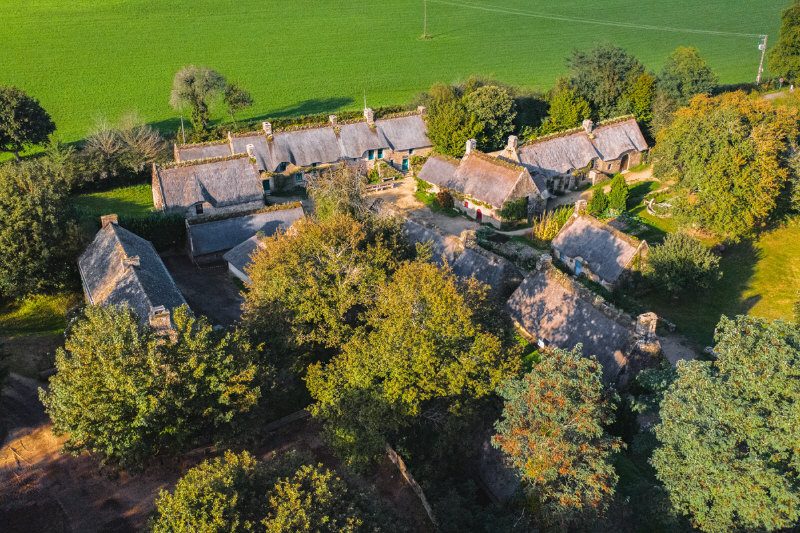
<point>239,256</point>
<point>559,154</point>
<point>444,248</point>
<point>481,176</point>
<point>191,152</point>
<point>110,279</point>
<point>498,273</point>
<point>221,235</point>
<point>606,251</point>
<point>220,182</point>
<point>551,306</point>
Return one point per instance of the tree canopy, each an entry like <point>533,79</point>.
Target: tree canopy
<point>730,158</point>
<point>728,434</point>
<point>129,393</point>
<point>338,191</point>
<point>682,263</point>
<point>686,74</point>
<point>784,58</point>
<point>236,99</point>
<point>194,87</point>
<point>567,110</point>
<point>552,431</point>
<point>494,109</point>
<point>23,121</point>
<point>603,76</point>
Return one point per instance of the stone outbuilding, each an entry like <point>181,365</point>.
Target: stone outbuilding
<point>597,250</point>
<point>121,268</point>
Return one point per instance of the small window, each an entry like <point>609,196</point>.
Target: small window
<point>380,154</point>
<point>298,178</point>
<point>371,155</point>
<point>404,167</point>
<point>410,151</point>
<point>198,208</point>
<point>266,185</point>
<point>281,167</point>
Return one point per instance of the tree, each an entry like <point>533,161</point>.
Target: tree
<point>450,126</point>
<point>423,354</point>
<point>493,107</point>
<point>128,147</point>
<point>686,74</point>
<point>784,58</point>
<point>637,100</point>
<point>618,196</point>
<point>602,75</point>
<point>128,393</point>
<point>682,263</point>
<point>567,110</point>
<point>728,434</point>
<point>552,431</point>
<point>514,210</point>
<point>38,237</point>
<point>598,203</point>
<point>309,287</point>
<point>237,99</point>
<point>23,121</point>
<point>195,87</point>
<point>338,191</point>
<point>729,156</point>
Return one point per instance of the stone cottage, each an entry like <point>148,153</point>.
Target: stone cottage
<point>121,268</point>
<point>482,184</point>
<point>567,159</point>
<point>553,309</point>
<point>598,251</point>
<point>222,185</point>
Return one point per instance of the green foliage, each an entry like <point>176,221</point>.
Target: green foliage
<point>784,58</point>
<point>728,435</point>
<point>552,431</point>
<point>567,110</point>
<point>445,199</point>
<point>195,87</point>
<point>618,195</point>
<point>38,238</point>
<point>236,99</point>
<point>493,108</point>
<point>165,230</point>
<point>686,74</point>
<point>603,76</point>
<point>450,126</point>
<point>598,203</point>
<point>728,155</point>
<point>310,286</point>
<point>547,225</point>
<point>23,121</point>
<point>338,191</point>
<point>682,263</point>
<point>514,210</point>
<point>424,353</point>
<point>638,98</point>
<point>128,393</point>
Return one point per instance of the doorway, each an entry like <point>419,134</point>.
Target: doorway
<point>624,162</point>
<point>479,216</point>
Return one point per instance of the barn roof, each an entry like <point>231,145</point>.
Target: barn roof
<point>498,273</point>
<point>220,182</point>
<point>554,308</point>
<point>220,235</point>
<point>606,251</point>
<point>111,275</point>
<point>561,152</point>
<point>191,152</point>
<point>240,255</point>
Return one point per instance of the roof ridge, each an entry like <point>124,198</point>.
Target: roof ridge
<point>630,239</point>
<point>577,129</point>
<point>496,160</point>
<point>197,162</point>
<point>589,296</point>
<point>204,143</point>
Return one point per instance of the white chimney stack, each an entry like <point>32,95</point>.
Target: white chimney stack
<point>513,143</point>
<point>369,115</point>
<point>472,144</point>
<point>422,109</point>
<point>251,151</point>
<point>332,119</point>
<point>267,126</point>
<point>588,125</point>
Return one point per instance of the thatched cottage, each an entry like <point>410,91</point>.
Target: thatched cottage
<point>553,309</point>
<point>228,184</point>
<point>566,159</point>
<point>287,156</point>
<point>483,184</point>
<point>207,242</point>
<point>598,251</point>
<point>121,268</point>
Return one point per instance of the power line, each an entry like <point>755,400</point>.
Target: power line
<point>564,18</point>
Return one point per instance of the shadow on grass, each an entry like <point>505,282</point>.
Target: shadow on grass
<point>306,107</point>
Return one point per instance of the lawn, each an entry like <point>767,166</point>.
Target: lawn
<point>130,201</point>
<point>86,59</point>
<point>36,315</point>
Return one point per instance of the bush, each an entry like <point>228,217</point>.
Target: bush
<point>515,209</point>
<point>547,225</point>
<point>599,203</point>
<point>445,200</point>
<point>682,263</point>
<point>618,196</point>
<point>164,230</point>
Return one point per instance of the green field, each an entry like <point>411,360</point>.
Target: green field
<point>87,59</point>
<point>130,201</point>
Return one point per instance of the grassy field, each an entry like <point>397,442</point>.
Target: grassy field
<point>131,201</point>
<point>37,315</point>
<point>86,59</point>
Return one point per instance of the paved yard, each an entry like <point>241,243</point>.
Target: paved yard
<point>208,291</point>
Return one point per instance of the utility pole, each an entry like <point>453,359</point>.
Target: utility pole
<point>762,45</point>
<point>425,20</point>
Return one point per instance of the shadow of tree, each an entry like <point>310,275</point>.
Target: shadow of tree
<point>306,107</point>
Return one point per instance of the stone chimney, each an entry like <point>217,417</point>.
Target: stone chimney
<point>132,261</point>
<point>176,153</point>
<point>251,151</point>
<point>422,109</point>
<point>588,125</point>
<point>160,318</point>
<point>472,144</point>
<point>645,339</point>
<point>105,220</point>
<point>580,208</point>
<point>513,143</point>
<point>544,261</point>
<point>369,115</point>
<point>267,127</point>
<point>333,119</point>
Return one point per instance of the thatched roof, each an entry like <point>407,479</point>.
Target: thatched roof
<point>221,235</point>
<point>498,273</point>
<point>111,275</point>
<point>554,308</point>
<point>561,153</point>
<point>606,251</point>
<point>191,152</point>
<point>220,182</point>
<point>404,133</point>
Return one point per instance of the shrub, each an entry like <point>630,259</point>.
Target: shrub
<point>515,209</point>
<point>164,230</point>
<point>618,196</point>
<point>681,263</point>
<point>547,225</point>
<point>444,199</point>
<point>598,203</point>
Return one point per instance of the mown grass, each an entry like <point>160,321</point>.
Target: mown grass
<point>37,315</point>
<point>130,201</point>
<point>86,59</point>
